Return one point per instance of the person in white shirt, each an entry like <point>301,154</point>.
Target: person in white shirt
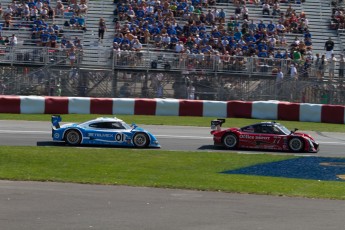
<point>137,46</point>
<point>13,40</point>
<point>197,39</point>
<point>39,5</point>
<point>341,66</point>
<point>266,9</point>
<point>190,91</point>
<point>279,81</point>
<point>165,40</point>
<point>280,28</point>
<point>179,47</point>
<point>331,66</point>
<point>33,13</point>
<point>293,72</point>
<point>83,8</point>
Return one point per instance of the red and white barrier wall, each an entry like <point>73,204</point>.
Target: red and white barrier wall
<point>272,110</point>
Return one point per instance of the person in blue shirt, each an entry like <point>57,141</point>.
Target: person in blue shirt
<point>155,30</point>
<point>73,21</point>
<point>216,34</point>
<point>174,39</point>
<point>250,38</point>
<point>271,28</point>
<point>278,55</point>
<point>56,27</point>
<point>308,42</point>
<point>307,34</point>
<point>171,31</point>
<point>194,29</point>
<point>34,29</point>
<point>262,46</point>
<point>118,40</point>
<point>125,41</point>
<point>53,40</point>
<point>63,42</point>
<point>45,38</point>
<point>178,29</point>
<point>38,22</point>
<point>261,25</point>
<point>221,16</point>
<point>202,27</point>
<point>50,29</point>
<point>179,10</point>
<point>237,34</point>
<point>140,13</point>
<point>31,4</point>
<point>263,54</point>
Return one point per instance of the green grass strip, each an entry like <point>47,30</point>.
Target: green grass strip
<point>156,168</point>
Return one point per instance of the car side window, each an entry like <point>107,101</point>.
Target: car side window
<point>276,130</point>
<point>117,125</point>
<point>258,129</point>
<point>268,129</point>
<point>101,125</point>
<point>248,129</point>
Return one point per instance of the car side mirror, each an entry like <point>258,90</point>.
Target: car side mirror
<point>293,131</point>
<point>133,125</point>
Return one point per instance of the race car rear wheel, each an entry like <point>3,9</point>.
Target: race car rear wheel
<point>73,137</point>
<point>141,140</point>
<point>230,141</point>
<point>296,144</point>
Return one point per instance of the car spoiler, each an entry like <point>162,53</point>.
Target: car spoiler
<point>55,121</point>
<point>217,124</point>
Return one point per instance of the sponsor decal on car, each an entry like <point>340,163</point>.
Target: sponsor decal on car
<point>101,135</point>
<point>245,136</point>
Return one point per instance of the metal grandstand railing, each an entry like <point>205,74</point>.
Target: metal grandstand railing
<point>33,55</point>
<point>33,81</point>
<point>158,60</point>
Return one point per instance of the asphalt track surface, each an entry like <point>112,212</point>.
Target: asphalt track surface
<point>25,133</point>
<point>37,205</point>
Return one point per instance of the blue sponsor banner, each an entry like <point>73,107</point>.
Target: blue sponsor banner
<point>313,168</point>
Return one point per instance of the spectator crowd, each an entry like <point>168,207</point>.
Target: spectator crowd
<point>202,33</point>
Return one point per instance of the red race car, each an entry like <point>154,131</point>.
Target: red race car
<point>264,135</point>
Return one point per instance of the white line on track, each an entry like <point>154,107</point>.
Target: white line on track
<point>23,131</point>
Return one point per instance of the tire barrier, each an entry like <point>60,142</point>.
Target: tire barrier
<point>272,110</point>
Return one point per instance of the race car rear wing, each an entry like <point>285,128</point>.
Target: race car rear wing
<point>217,124</point>
<point>55,121</point>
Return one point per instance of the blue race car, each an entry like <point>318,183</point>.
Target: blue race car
<point>102,131</point>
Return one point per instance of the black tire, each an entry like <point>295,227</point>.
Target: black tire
<point>73,137</point>
<point>141,140</point>
<point>296,144</point>
<point>230,141</point>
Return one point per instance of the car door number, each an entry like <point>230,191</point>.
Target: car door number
<point>276,140</point>
<point>119,137</point>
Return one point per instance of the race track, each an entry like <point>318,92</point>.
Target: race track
<point>45,205</point>
<point>27,133</point>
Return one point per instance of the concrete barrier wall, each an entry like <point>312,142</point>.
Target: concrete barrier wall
<point>272,110</point>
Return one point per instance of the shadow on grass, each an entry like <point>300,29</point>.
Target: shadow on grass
<point>251,151</point>
<point>63,144</point>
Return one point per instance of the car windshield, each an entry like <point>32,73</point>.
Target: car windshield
<point>283,129</point>
<point>126,125</point>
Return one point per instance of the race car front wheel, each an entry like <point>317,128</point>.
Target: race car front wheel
<point>296,144</point>
<point>73,137</point>
<point>140,140</point>
<point>230,141</point>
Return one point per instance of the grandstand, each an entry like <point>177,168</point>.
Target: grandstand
<point>158,71</point>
